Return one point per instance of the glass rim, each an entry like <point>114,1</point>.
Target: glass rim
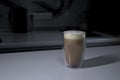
<point>74,32</point>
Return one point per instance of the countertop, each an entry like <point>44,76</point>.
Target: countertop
<point>100,63</point>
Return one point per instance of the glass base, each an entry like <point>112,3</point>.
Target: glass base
<point>73,66</point>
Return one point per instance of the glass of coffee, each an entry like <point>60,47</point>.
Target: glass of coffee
<point>74,47</point>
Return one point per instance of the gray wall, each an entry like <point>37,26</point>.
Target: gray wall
<point>4,23</point>
<point>70,17</point>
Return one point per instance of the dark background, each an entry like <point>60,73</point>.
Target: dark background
<point>19,24</point>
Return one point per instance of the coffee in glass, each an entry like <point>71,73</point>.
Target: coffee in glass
<point>74,47</point>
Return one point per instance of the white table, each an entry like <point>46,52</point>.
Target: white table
<point>101,63</point>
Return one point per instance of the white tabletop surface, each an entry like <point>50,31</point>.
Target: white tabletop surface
<point>101,63</point>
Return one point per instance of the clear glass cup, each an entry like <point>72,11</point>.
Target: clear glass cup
<point>74,47</point>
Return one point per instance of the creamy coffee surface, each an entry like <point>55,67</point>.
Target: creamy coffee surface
<point>74,34</point>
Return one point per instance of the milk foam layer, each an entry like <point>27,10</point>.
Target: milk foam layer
<point>74,34</point>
